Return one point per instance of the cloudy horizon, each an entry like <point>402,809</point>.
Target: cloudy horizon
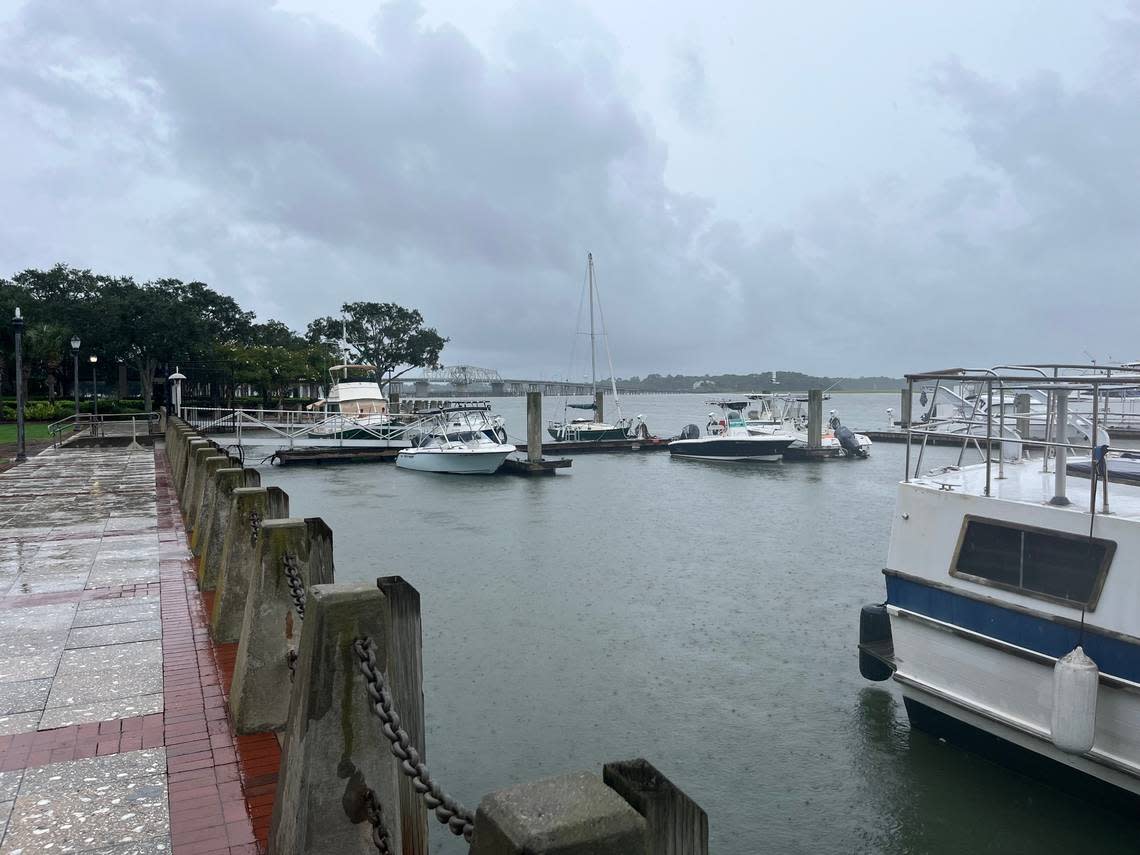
<point>838,189</point>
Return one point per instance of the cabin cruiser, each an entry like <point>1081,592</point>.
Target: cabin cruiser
<point>728,438</point>
<point>1010,622</point>
<point>783,413</point>
<point>457,443</point>
<point>355,408</point>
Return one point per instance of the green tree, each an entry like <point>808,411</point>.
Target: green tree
<point>385,335</point>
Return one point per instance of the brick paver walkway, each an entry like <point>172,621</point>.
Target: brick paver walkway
<point>113,730</point>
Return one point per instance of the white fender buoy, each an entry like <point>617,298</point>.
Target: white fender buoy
<point>1075,680</point>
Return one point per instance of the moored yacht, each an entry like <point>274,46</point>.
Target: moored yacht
<point>728,438</point>
<point>1011,622</point>
<point>460,443</point>
<point>355,408</point>
<point>783,413</point>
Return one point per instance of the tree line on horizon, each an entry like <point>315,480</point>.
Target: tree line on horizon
<point>785,381</point>
<point>154,326</point>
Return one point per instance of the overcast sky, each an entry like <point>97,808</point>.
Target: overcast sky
<point>833,187</point>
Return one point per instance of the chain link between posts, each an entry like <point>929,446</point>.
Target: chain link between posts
<point>297,594</point>
<point>254,527</point>
<point>458,819</point>
<point>380,837</point>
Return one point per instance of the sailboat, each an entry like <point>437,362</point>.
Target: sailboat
<point>594,429</point>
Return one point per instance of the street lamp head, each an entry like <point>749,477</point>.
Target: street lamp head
<point>93,358</point>
<point>75,342</point>
<point>18,321</point>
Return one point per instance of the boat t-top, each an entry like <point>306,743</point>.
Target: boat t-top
<point>728,438</point>
<point>595,429</point>
<point>459,442</point>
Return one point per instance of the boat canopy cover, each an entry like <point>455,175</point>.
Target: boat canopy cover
<point>581,406</point>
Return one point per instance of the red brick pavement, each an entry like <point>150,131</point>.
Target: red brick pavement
<point>221,785</point>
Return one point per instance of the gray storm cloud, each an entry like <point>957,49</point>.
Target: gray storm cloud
<point>295,165</point>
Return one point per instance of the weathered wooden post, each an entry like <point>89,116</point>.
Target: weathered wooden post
<point>250,508</point>
<point>293,555</point>
<point>815,419</point>
<point>676,824</point>
<point>213,538</point>
<point>906,402</point>
<point>534,427</point>
<point>332,752</point>
<point>1021,407</point>
<point>405,668</point>
<point>599,406</point>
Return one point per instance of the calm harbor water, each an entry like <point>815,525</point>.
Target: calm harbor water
<point>701,615</point>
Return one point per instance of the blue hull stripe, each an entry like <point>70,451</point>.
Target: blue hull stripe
<point>1112,655</point>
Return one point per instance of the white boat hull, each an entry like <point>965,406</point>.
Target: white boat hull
<point>455,461</point>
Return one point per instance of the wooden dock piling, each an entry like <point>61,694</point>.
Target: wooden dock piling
<point>815,419</point>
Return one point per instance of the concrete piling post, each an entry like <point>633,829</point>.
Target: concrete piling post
<point>186,485</point>
<point>534,427</point>
<point>815,419</point>
<point>677,825</point>
<point>259,694</point>
<point>332,748</point>
<point>250,508</point>
<point>406,674</point>
<point>214,531</point>
<point>203,499</point>
<point>574,814</point>
<point>599,406</point>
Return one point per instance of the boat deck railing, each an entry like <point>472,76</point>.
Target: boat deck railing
<point>978,422</point>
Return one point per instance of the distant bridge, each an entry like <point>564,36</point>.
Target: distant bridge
<point>460,377</point>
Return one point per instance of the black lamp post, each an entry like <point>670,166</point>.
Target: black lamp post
<point>75,375</point>
<point>94,386</point>
<point>18,328</point>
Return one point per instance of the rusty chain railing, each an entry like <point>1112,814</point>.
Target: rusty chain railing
<point>297,593</point>
<point>380,837</point>
<point>254,527</point>
<point>459,820</point>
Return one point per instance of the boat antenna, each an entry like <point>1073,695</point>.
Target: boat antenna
<point>605,340</point>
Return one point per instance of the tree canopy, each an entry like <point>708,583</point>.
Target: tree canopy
<point>167,322</point>
<point>385,335</point>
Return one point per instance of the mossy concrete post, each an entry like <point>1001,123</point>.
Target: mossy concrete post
<point>203,499</point>
<point>251,507</point>
<point>259,694</point>
<point>176,450</point>
<point>574,814</point>
<point>220,503</point>
<point>677,825</point>
<point>199,449</point>
<point>405,669</point>
<point>333,748</point>
<point>182,463</point>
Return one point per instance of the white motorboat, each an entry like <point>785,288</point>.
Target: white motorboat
<point>458,444</point>
<point>783,413</point>
<point>1010,622</point>
<point>595,429</point>
<point>727,438</point>
<point>355,408</point>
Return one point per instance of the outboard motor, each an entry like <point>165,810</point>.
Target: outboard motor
<point>848,442</point>
<point>690,432</point>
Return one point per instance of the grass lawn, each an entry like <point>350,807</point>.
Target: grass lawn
<point>32,430</point>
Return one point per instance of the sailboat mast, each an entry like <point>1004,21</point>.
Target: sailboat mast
<point>593,356</point>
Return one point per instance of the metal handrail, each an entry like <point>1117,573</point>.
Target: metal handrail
<point>94,422</point>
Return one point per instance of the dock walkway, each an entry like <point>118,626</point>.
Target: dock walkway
<point>114,737</point>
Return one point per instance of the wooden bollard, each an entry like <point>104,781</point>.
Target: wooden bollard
<point>534,427</point>
<point>213,538</point>
<point>815,418</point>
<point>259,695</point>
<point>677,825</point>
<point>574,813</point>
<point>332,747</point>
<point>251,506</point>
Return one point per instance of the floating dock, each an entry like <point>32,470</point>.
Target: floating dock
<point>333,454</point>
<point>523,466</point>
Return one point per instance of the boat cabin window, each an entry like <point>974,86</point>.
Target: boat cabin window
<point>1050,565</point>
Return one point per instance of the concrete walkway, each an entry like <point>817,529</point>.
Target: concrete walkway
<point>113,732</point>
